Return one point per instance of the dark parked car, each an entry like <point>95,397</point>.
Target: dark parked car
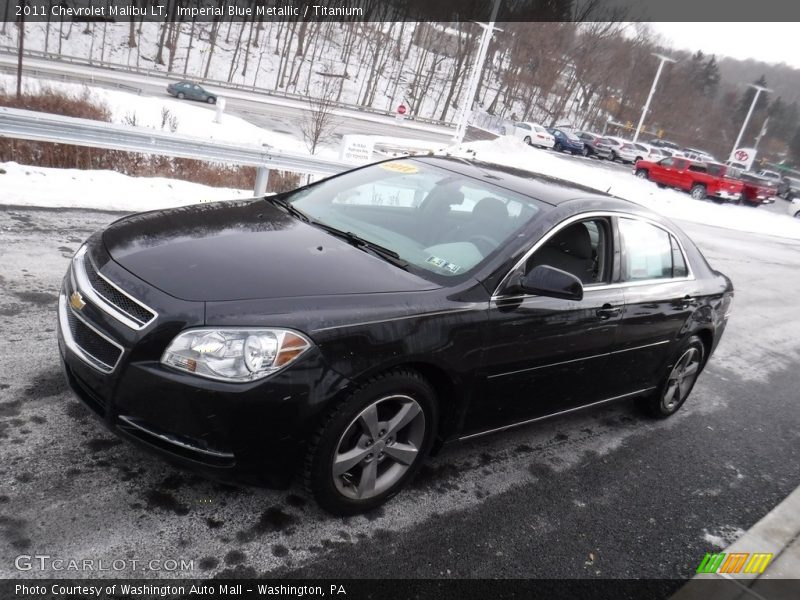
<point>595,145</point>
<point>566,140</point>
<point>347,329</point>
<point>192,91</point>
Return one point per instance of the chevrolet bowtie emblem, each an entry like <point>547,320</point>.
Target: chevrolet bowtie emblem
<point>76,300</point>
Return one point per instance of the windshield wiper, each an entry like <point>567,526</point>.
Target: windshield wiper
<point>387,254</point>
<point>288,207</point>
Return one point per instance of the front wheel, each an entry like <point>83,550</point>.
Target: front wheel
<point>641,173</point>
<point>181,95</point>
<point>558,147</point>
<point>698,191</point>
<point>211,100</point>
<point>527,140</point>
<point>372,444</point>
<point>678,384</point>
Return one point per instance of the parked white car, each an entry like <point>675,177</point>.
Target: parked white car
<point>533,134</point>
<point>794,208</point>
<point>628,151</point>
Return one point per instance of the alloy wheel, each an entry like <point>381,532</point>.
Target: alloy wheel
<point>681,379</point>
<point>378,446</point>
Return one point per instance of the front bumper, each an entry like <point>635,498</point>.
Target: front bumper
<point>238,432</point>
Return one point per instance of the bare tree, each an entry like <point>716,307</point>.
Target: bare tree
<point>319,123</point>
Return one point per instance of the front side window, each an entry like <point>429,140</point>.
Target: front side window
<point>580,249</point>
<point>439,222</point>
<point>649,252</point>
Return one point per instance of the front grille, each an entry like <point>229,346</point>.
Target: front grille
<point>97,349</point>
<point>113,296</point>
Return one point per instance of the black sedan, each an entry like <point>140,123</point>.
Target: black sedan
<point>347,329</point>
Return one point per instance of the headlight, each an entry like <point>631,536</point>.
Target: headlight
<point>234,354</point>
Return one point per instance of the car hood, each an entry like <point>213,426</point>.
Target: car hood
<point>246,250</point>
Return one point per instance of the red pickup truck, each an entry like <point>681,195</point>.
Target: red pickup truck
<point>691,176</point>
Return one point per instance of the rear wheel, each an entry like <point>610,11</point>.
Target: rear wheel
<point>558,147</point>
<point>211,100</point>
<point>641,173</point>
<point>181,95</point>
<point>698,191</point>
<point>527,140</point>
<point>678,384</point>
<point>372,444</point>
<point>586,151</point>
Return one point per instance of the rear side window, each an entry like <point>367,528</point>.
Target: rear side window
<point>649,252</point>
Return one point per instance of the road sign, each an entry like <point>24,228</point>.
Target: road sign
<point>401,110</point>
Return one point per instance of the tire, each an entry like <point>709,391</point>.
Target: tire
<point>661,185</point>
<point>586,151</point>
<point>676,385</point>
<point>527,140</point>
<point>698,191</point>
<point>614,156</point>
<point>181,95</point>
<point>797,215</point>
<point>361,423</point>
<point>211,100</point>
<point>642,173</point>
<point>557,147</point>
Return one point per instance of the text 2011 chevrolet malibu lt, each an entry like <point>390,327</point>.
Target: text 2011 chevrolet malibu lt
<point>345,330</point>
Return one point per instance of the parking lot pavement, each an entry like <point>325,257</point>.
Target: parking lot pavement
<point>605,493</point>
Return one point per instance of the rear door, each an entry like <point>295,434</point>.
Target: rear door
<point>660,293</point>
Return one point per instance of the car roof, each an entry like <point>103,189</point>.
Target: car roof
<point>549,190</point>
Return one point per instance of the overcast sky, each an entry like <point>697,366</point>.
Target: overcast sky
<point>769,42</point>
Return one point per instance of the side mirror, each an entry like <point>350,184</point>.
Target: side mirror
<point>549,281</point>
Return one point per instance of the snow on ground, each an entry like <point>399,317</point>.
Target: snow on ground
<point>102,190</point>
<point>670,203</point>
<point>192,118</point>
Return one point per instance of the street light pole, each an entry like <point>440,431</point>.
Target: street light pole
<point>759,89</point>
<point>21,49</point>
<point>663,59</point>
<point>475,77</point>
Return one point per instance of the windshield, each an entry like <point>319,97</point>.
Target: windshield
<point>437,221</point>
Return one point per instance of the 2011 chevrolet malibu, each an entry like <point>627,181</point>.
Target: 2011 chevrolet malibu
<point>347,329</point>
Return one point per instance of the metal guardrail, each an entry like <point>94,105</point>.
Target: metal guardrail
<point>123,68</point>
<point>45,127</point>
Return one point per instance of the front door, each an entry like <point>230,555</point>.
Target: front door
<point>545,355</point>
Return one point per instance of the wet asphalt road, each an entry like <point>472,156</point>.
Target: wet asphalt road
<point>605,493</point>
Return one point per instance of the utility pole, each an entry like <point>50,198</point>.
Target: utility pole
<point>663,59</point>
<point>475,76</point>
<point>21,26</point>
<point>758,89</point>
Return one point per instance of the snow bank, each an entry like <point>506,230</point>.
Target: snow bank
<point>103,190</point>
<point>603,177</point>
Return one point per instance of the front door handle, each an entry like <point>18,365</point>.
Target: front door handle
<point>607,311</point>
<point>686,301</point>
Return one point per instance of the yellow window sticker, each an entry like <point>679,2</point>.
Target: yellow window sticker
<point>400,167</point>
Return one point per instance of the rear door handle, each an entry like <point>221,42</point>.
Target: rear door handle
<point>607,311</point>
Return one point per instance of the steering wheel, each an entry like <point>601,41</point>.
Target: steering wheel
<point>483,243</point>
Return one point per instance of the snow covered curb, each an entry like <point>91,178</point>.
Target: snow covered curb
<point>670,203</point>
<point>101,190</point>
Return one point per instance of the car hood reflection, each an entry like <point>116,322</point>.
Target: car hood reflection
<point>246,250</point>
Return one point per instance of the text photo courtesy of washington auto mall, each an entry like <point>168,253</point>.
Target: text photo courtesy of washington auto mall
<point>400,299</point>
